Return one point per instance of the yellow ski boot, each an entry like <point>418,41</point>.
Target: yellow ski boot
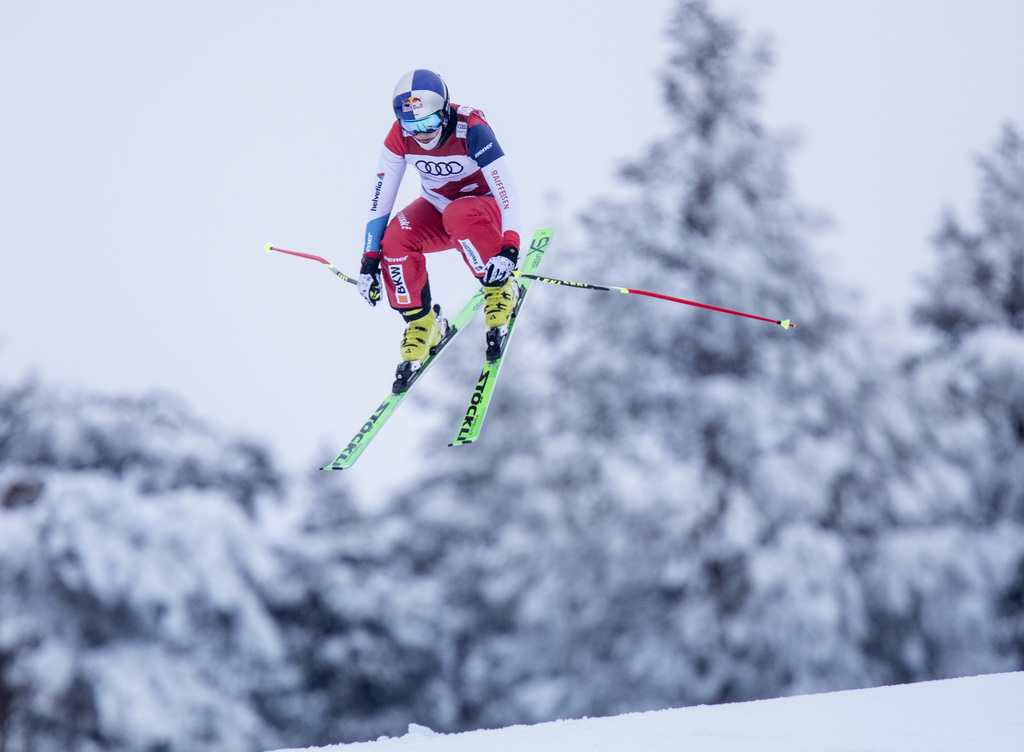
<point>499,302</point>
<point>423,333</point>
<point>499,307</point>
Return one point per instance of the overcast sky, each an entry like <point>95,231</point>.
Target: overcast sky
<point>148,151</point>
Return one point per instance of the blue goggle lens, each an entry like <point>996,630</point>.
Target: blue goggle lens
<point>423,125</point>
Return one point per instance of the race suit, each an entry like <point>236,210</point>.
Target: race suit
<point>468,201</point>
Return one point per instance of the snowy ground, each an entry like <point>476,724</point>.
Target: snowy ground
<point>976,714</point>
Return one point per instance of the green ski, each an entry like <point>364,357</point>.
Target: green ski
<point>376,421</point>
<point>473,421</point>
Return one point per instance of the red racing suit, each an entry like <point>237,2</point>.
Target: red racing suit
<point>468,200</point>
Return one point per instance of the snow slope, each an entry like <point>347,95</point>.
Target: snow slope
<point>976,714</point>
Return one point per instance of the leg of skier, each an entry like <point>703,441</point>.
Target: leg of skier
<point>474,225</point>
<point>415,230</point>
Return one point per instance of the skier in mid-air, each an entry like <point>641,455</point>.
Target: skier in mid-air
<point>468,201</point>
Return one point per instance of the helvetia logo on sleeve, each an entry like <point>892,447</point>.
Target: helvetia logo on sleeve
<point>376,191</point>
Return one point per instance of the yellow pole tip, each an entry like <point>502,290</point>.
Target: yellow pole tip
<point>269,247</point>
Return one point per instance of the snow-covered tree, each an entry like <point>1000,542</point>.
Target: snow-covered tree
<point>659,511</point>
<point>360,628</point>
<point>674,505</point>
<point>979,282</point>
<point>129,545</point>
<point>957,577</point>
<point>162,587</point>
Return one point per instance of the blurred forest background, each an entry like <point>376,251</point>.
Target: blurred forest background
<point>671,506</point>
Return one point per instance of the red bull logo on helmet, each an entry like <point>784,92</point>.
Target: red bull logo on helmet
<point>411,104</point>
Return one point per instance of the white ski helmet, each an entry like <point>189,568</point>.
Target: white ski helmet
<point>420,101</point>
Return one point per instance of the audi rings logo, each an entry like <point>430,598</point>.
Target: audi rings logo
<point>439,169</point>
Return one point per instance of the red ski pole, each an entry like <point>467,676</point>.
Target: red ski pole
<point>271,247</point>
<point>374,291</point>
<point>785,324</point>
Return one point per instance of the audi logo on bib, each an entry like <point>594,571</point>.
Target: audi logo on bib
<point>438,169</point>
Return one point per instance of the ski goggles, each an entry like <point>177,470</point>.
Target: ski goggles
<point>423,125</point>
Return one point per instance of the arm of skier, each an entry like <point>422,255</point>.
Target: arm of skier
<point>390,168</point>
<point>484,148</point>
